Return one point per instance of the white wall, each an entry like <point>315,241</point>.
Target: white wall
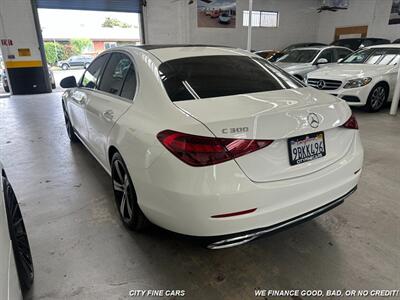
<point>374,13</point>
<point>175,21</point>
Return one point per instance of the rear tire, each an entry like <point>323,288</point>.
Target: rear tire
<point>377,98</point>
<point>70,129</point>
<point>19,238</point>
<point>125,196</point>
<point>6,89</point>
<point>53,86</point>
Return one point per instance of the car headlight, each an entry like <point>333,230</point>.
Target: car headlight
<point>355,83</point>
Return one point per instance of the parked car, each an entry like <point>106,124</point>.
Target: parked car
<point>6,86</point>
<point>274,55</point>
<point>365,78</point>
<point>16,267</point>
<point>75,61</point>
<point>224,18</point>
<point>396,41</point>
<point>214,14</point>
<point>299,62</point>
<point>4,80</point>
<point>269,140</point>
<point>51,77</point>
<point>358,43</point>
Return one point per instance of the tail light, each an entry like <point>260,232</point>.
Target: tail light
<point>200,151</point>
<point>351,123</point>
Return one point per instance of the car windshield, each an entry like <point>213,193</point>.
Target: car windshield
<point>375,56</point>
<point>222,75</point>
<point>299,56</point>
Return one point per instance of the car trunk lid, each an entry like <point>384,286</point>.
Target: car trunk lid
<point>276,115</point>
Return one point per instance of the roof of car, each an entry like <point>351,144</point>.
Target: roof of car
<point>176,51</point>
<point>149,47</point>
<point>320,47</point>
<point>385,46</point>
<point>360,38</point>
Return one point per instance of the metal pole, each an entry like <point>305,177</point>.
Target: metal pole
<point>250,25</point>
<point>396,95</point>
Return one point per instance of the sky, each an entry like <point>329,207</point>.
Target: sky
<point>74,19</point>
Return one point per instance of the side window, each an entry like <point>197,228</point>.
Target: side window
<point>129,88</point>
<point>92,74</point>
<point>342,53</point>
<point>114,73</point>
<point>328,54</point>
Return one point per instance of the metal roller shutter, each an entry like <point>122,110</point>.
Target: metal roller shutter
<point>100,5</point>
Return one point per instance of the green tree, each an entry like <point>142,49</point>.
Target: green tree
<point>78,45</point>
<point>112,22</point>
<point>54,52</point>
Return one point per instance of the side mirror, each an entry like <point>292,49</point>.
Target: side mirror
<point>322,61</point>
<point>68,82</point>
<point>340,60</point>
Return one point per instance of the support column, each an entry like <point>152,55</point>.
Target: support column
<point>396,95</point>
<point>249,28</point>
<point>22,48</point>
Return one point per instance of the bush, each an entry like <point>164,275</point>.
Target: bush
<point>54,52</point>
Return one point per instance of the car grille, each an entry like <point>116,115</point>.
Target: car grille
<point>324,84</point>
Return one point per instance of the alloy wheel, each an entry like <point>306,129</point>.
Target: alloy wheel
<point>68,125</point>
<point>378,97</point>
<point>19,238</point>
<point>123,191</point>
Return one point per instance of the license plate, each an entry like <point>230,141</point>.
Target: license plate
<point>306,147</point>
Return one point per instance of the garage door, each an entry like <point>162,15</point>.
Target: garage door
<point>101,5</point>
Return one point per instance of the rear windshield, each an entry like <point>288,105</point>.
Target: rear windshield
<point>223,75</point>
<point>348,43</point>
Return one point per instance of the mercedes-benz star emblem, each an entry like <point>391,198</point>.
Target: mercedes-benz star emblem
<point>321,84</point>
<point>313,120</point>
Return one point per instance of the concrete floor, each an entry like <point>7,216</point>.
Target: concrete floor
<point>81,250</point>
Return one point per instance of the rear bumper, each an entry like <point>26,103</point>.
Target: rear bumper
<point>183,199</point>
<point>227,241</point>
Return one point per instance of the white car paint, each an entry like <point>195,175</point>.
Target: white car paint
<point>344,72</point>
<point>9,282</point>
<point>182,198</point>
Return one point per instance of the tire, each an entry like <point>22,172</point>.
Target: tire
<point>19,238</point>
<point>377,98</point>
<point>86,66</point>
<point>125,196</point>
<point>6,89</point>
<point>65,67</point>
<point>70,129</point>
<point>53,86</point>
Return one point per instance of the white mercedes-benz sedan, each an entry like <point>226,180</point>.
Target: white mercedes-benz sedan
<point>211,141</point>
<point>365,78</point>
<point>16,267</point>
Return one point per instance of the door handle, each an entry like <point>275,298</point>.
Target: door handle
<point>80,98</point>
<point>108,115</point>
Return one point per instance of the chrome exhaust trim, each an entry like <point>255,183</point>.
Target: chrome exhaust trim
<point>245,238</point>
